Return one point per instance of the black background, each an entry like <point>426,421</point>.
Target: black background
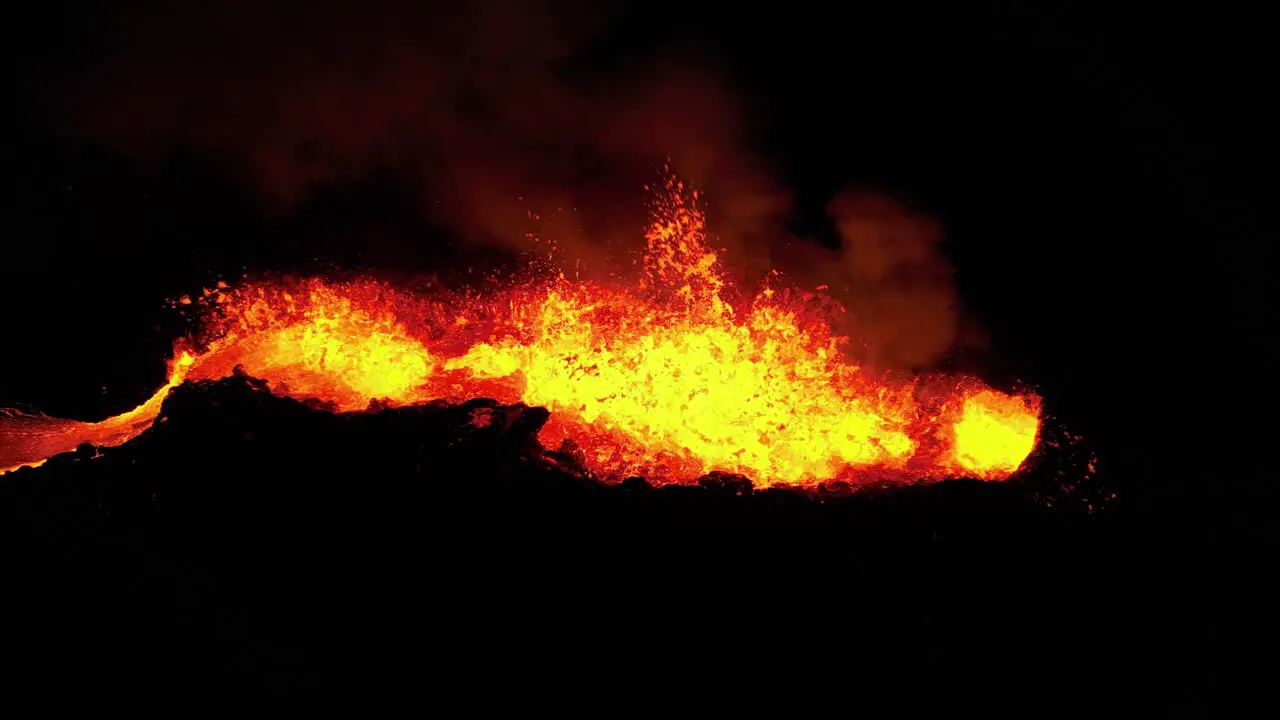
<point>1103,173</point>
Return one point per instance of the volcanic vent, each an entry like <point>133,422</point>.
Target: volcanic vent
<point>670,377</point>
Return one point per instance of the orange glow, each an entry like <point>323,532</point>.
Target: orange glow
<point>325,342</point>
<point>995,432</point>
<point>32,439</point>
<point>669,378</point>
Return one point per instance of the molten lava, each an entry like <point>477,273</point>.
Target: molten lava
<point>669,379</point>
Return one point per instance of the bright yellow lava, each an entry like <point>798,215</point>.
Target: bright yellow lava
<point>667,378</point>
<point>995,433</point>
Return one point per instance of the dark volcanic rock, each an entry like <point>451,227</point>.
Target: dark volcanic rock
<point>250,543</point>
<point>726,484</point>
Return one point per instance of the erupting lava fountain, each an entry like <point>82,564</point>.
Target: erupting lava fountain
<point>668,379</point>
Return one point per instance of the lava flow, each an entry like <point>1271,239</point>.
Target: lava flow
<point>669,379</point>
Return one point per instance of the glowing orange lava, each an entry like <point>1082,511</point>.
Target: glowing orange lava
<point>668,379</point>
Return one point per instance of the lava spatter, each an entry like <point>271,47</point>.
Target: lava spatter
<point>666,377</point>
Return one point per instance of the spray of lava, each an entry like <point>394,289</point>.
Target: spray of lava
<point>667,378</point>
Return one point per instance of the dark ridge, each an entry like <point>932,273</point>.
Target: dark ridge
<point>251,545</point>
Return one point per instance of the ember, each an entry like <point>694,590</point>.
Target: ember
<point>670,379</point>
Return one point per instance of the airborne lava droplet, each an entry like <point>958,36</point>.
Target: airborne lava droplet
<point>666,378</point>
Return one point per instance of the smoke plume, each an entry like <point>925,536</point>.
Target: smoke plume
<point>499,110</point>
<point>892,277</point>
<point>902,293</point>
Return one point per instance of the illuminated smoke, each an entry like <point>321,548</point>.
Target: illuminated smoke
<point>668,378</point>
